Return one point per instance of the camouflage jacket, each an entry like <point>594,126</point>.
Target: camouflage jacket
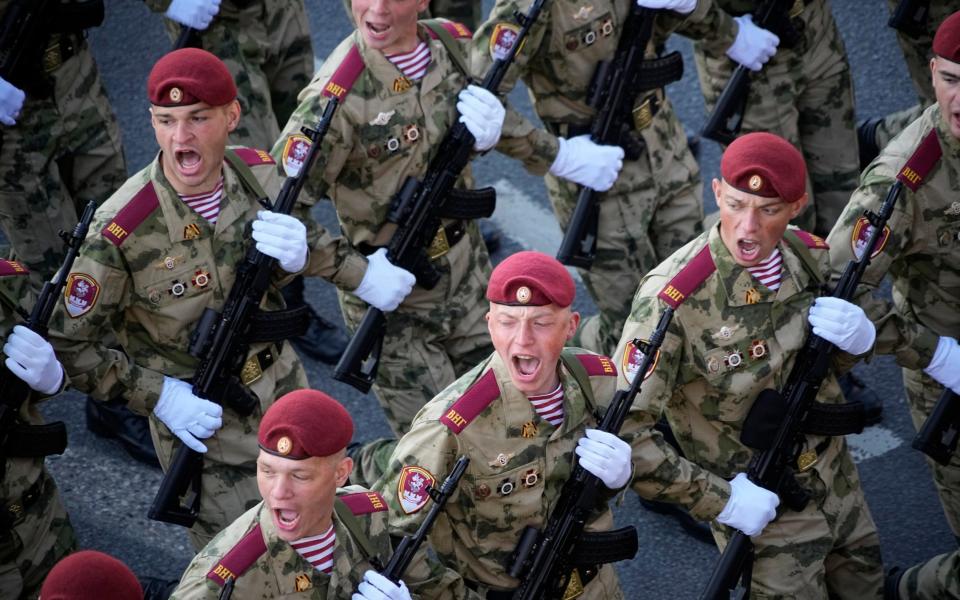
<point>518,464</point>
<point>729,339</point>
<point>921,252</point>
<point>360,522</point>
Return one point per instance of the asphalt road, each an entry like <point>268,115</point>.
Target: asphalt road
<point>107,493</point>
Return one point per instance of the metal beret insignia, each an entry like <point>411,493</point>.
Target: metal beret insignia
<point>755,183</point>
<point>175,94</point>
<point>284,445</point>
<point>523,294</point>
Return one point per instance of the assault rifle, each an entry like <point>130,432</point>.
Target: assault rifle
<point>549,562</point>
<point>18,439</point>
<point>19,30</point>
<point>188,38</point>
<point>409,545</point>
<point>221,342</point>
<point>418,209</point>
<point>723,124</point>
<point>910,17</point>
<point>613,93</point>
<point>783,418</point>
<point>940,432</point>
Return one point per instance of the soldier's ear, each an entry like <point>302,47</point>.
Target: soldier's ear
<point>233,115</point>
<point>344,468</point>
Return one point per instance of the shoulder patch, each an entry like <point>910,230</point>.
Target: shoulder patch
<point>345,76</point>
<point>413,488</point>
<point>12,267</point>
<point>132,215</point>
<point>364,503</point>
<point>688,278</point>
<point>921,161</point>
<point>457,30</point>
<point>254,157</point>
<point>596,364</point>
<point>811,240</point>
<point>471,403</point>
<point>238,559</point>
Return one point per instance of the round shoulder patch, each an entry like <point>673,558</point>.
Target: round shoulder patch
<point>412,488</point>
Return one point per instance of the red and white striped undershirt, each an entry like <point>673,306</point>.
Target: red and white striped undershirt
<point>770,271</point>
<point>207,205</point>
<point>413,64</point>
<point>549,406</point>
<point>318,549</point>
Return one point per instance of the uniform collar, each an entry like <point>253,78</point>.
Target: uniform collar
<point>387,73</point>
<point>284,556</point>
<point>948,142</point>
<point>741,287</point>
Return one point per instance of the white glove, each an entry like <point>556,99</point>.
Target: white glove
<point>606,456</point>
<point>684,7</point>
<point>750,506</point>
<point>753,45</point>
<point>193,13</point>
<point>482,113</point>
<point>842,324</point>
<point>11,101</point>
<point>591,165</point>
<point>384,285</point>
<point>283,237</point>
<point>377,587</point>
<point>31,358</point>
<point>189,418</point>
<point>945,366</point>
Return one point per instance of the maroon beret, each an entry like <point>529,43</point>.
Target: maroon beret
<point>531,279</point>
<point>946,42</point>
<point>305,423</point>
<point>765,165</point>
<point>91,575</point>
<point>188,76</point>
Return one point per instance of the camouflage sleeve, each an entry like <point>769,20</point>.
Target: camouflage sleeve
<point>428,579</point>
<point>82,334</point>
<point>708,24</point>
<point>659,472</point>
<point>902,335</point>
<point>158,5</point>
<point>194,584</point>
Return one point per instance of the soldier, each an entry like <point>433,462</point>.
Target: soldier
<point>520,415</point>
<point>741,293</point>
<point>655,205</point>
<point>91,575</point>
<point>162,249</point>
<point>937,578</point>
<point>398,81</point>
<point>321,536</point>
<point>36,531</point>
<point>921,323</point>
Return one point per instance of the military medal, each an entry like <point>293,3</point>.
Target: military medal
<point>170,262</point>
<point>584,13</point>
<point>191,231</point>
<point>528,430</point>
<point>302,583</point>
<point>806,460</point>
<point>382,118</point>
<point>401,84</point>
<point>752,296</point>
<point>482,491</point>
<point>393,144</point>
<point>201,278</point>
<point>734,359</point>
<point>530,478</point>
<point>411,133</point>
<point>178,288</point>
<point>953,210</point>
<point>505,488</point>
<point>758,349</point>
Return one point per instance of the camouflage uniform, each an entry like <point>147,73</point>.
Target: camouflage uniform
<point>434,334</point>
<point>360,520</point>
<point>921,258</point>
<point>804,94</point>
<point>705,394</point>
<point>148,268</point>
<point>266,46</point>
<point>64,151</point>
<point>935,579</point>
<point>483,416</point>
<point>643,217</point>
<point>35,532</point>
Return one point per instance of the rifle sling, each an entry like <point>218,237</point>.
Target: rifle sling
<point>35,441</point>
<point>576,368</point>
<point>603,547</point>
<point>655,73</point>
<point>277,325</point>
<point>834,419</point>
<point>350,521</point>
<point>247,178</point>
<point>453,48</point>
<point>469,204</point>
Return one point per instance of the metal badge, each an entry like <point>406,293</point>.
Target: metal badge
<point>251,370</point>
<point>758,349</point>
<point>530,478</point>
<point>752,296</point>
<point>806,460</point>
<point>713,365</point>
<point>284,445</point>
<point>178,288</point>
<point>439,245</point>
<point>393,144</point>
<point>506,487</point>
<point>170,262</point>
<point>154,296</point>
<point>302,582</point>
<point>175,94</point>
<point>606,28</point>
<point>500,461</point>
<point>523,294</point>
<point>191,231</point>
<point>725,333</point>
<point>401,84</point>
<point>589,38</point>
<point>382,118</point>
<point>411,133</point>
<point>201,278</point>
<point>953,211</point>
<point>528,430</point>
<point>584,13</point>
<point>482,491</point>
<point>755,183</point>
<point>643,114</point>
<point>734,359</point>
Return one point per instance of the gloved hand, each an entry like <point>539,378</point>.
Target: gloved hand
<point>482,113</point>
<point>945,366</point>
<point>377,587</point>
<point>842,324</point>
<point>384,285</point>
<point>750,506</point>
<point>684,7</point>
<point>193,13</point>
<point>606,456</point>
<point>283,237</point>
<point>31,358</point>
<point>188,417</point>
<point>589,164</point>
<point>11,101</point>
<point>753,45</point>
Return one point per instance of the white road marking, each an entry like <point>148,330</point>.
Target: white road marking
<point>873,442</point>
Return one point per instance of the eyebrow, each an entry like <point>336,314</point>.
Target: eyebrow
<point>189,114</point>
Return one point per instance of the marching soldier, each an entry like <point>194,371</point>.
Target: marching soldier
<point>743,294</point>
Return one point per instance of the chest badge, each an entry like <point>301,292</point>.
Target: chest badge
<point>734,359</point>
<point>752,296</point>
<point>725,333</point>
<point>506,487</point>
<point>758,349</point>
<point>170,262</point>
<point>528,430</point>
<point>178,288</point>
<point>530,478</point>
<point>953,210</point>
<point>191,231</point>
<point>382,118</point>
<point>302,583</point>
<point>500,461</point>
<point>411,133</point>
<point>401,84</point>
<point>583,13</point>
<point>201,278</point>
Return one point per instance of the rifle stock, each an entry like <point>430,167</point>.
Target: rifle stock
<point>940,432</point>
<point>222,348</point>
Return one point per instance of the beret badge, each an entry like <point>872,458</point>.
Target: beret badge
<point>755,183</point>
<point>175,94</point>
<point>284,445</point>
<point>523,294</point>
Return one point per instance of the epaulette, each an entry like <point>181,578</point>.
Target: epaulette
<point>239,558</point>
<point>812,241</point>
<point>473,401</point>
<point>364,503</point>
<point>254,157</point>
<point>920,163</point>
<point>596,364</point>
<point>12,267</point>
<point>688,278</point>
<point>346,75</point>
<point>132,215</point>
<point>457,30</point>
